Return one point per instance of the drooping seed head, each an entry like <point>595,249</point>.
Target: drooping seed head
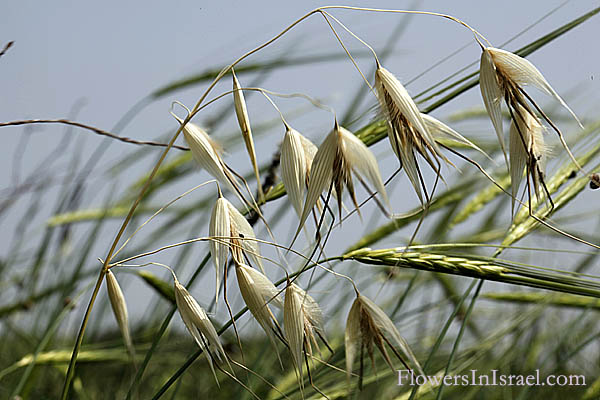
<point>241,111</point>
<point>231,232</point>
<point>119,307</point>
<point>258,293</point>
<point>502,76</point>
<point>206,152</point>
<point>368,325</point>
<point>293,324</point>
<point>340,155</point>
<point>297,154</point>
<point>526,149</point>
<point>197,323</point>
<point>220,227</point>
<point>408,130</point>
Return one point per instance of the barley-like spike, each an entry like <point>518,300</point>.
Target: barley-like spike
<point>486,268</point>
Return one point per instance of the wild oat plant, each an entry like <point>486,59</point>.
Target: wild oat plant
<point>440,290</point>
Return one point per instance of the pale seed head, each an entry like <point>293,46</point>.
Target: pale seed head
<point>408,131</point>
<point>197,323</point>
<point>258,293</point>
<point>293,323</point>
<point>231,232</point>
<point>297,154</point>
<point>368,325</point>
<point>526,150</point>
<point>340,155</point>
<point>119,307</point>
<point>241,111</point>
<point>220,227</point>
<point>503,76</point>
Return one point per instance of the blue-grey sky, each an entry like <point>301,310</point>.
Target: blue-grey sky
<point>113,53</point>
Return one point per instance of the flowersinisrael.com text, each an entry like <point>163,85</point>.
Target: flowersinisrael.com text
<point>492,378</point>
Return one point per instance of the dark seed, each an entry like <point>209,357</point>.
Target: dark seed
<point>594,181</point>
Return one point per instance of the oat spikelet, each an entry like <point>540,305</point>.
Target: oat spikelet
<point>119,307</point>
<point>259,293</point>
<point>340,155</point>
<point>408,131</point>
<point>241,112</point>
<point>197,323</point>
<point>297,154</point>
<point>502,76</point>
<point>526,150</point>
<point>368,325</point>
<point>231,232</point>
<point>302,319</point>
<point>206,152</point>
<point>220,226</point>
<point>293,323</point>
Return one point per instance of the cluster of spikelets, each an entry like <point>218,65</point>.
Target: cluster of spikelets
<point>309,171</point>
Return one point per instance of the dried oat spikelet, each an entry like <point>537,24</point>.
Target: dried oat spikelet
<point>259,293</point>
<point>293,324</point>
<point>526,150</point>
<point>227,224</point>
<point>340,155</point>
<point>408,130</point>
<point>368,325</point>
<point>206,152</point>
<point>502,76</point>
<point>241,112</point>
<point>197,323</point>
<point>297,154</point>
<point>220,226</point>
<point>301,321</point>
<point>119,307</point>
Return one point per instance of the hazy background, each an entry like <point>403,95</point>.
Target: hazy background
<point>92,61</point>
